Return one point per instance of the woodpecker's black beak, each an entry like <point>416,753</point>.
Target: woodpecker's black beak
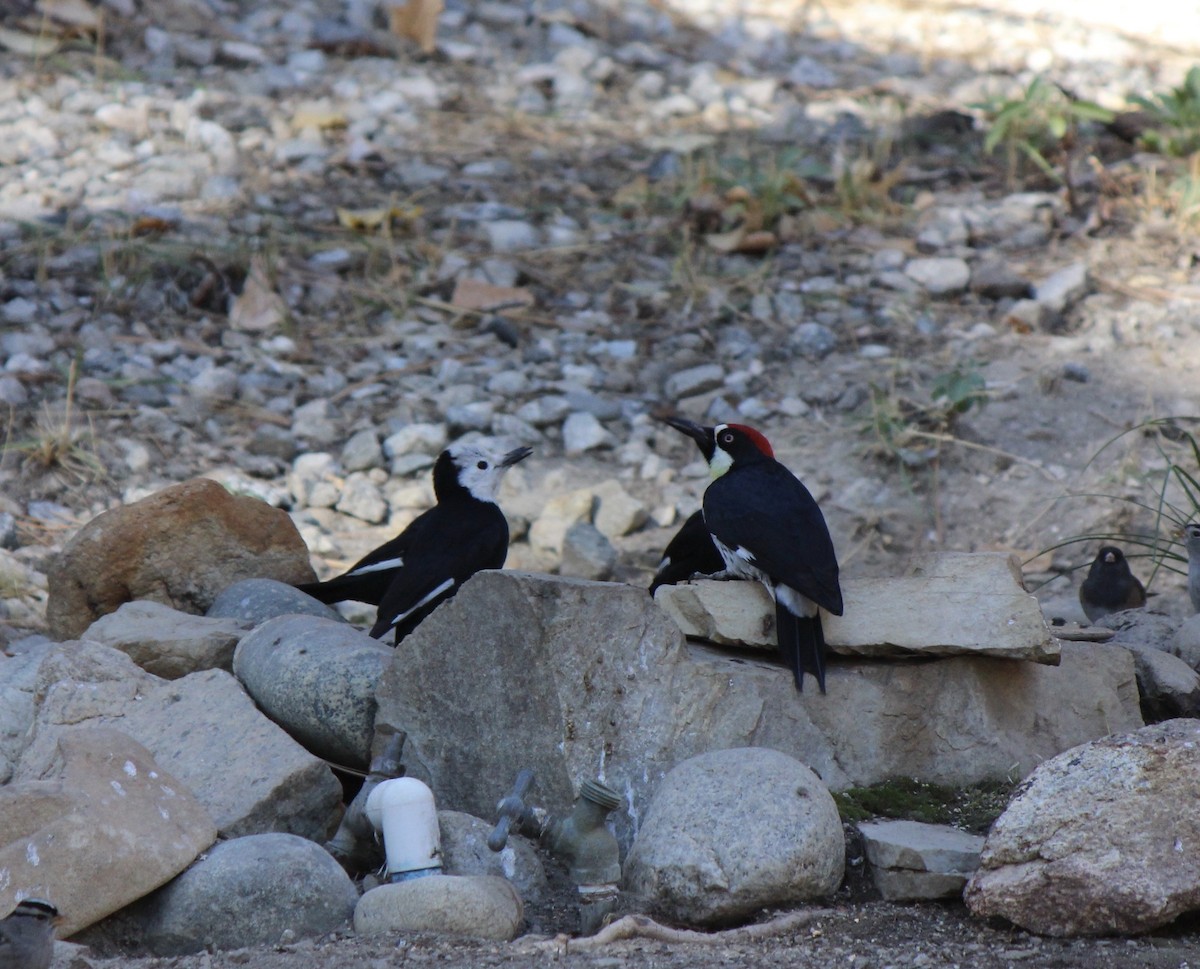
<point>703,436</point>
<point>512,457</point>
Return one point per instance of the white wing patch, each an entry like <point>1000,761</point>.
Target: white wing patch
<point>383,566</point>
<point>424,601</point>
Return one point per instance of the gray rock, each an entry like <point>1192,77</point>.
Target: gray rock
<point>1169,687</point>
<point>249,775</point>
<point>601,668</point>
<point>814,340</point>
<point>18,684</point>
<point>167,642</point>
<point>939,275</point>
<point>996,279</point>
<point>254,601</point>
<point>262,889</point>
<point>316,678</point>
<point>465,852</point>
<point>512,235</point>
<point>1060,290</point>
<point>587,553</point>
<point>910,860</point>
<point>428,438</point>
<point>697,380</point>
<point>582,432</point>
<point>362,452</point>
<point>1095,842</point>
<point>480,906</point>
<point>617,513</point>
<point>1136,627</point>
<point>361,499</point>
<point>100,825</point>
<point>734,831</point>
<point>1186,642</point>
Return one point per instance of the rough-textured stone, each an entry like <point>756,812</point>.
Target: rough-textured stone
<point>733,831</point>
<point>1099,840</point>
<point>910,860</point>
<point>1185,643</point>
<point>203,728</point>
<point>481,906</point>
<point>181,546</point>
<point>316,678</point>
<point>259,890</point>
<point>18,686</point>
<point>587,553</point>
<point>101,826</point>
<point>1169,687</point>
<point>603,681</point>
<point>953,603</point>
<point>165,641</point>
<point>256,600</point>
<point>1137,627</point>
<point>465,852</point>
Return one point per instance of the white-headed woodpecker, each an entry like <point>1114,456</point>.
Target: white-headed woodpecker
<point>427,563</point>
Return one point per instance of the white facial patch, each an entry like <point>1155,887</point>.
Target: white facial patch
<point>722,460</point>
<point>479,470</point>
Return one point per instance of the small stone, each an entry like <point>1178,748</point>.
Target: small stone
<point>430,438</point>
<point>995,279</point>
<point>697,380</point>
<point>361,499</point>
<point>362,452</point>
<point>480,906</point>
<point>582,432</point>
<point>1058,291</point>
<point>940,275</point>
<point>587,553</point>
<point>511,235</point>
<point>814,340</point>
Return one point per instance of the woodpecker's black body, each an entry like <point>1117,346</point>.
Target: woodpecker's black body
<point>1110,586</point>
<point>690,552</point>
<point>427,563</point>
<point>768,527</point>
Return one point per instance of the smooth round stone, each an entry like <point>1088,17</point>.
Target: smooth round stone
<point>481,906</point>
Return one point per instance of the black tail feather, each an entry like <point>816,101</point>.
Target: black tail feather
<point>369,588</point>
<point>802,643</point>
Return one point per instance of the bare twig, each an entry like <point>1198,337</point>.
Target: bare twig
<point>643,927</point>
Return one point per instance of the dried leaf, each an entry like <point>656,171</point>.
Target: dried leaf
<point>151,225</point>
<point>77,13</point>
<point>417,21</point>
<point>475,294</point>
<point>373,220</point>
<point>318,114</point>
<point>259,307</point>
<point>741,240</point>
<point>31,45</point>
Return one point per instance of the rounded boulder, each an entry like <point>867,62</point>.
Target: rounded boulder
<point>733,831</point>
<point>316,678</point>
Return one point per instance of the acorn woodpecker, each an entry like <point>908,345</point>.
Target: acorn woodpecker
<point>1110,586</point>
<point>768,527</point>
<point>409,576</point>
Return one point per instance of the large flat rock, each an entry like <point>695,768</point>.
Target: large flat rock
<point>954,603</point>
<point>579,680</point>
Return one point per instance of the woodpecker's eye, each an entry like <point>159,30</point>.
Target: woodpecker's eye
<point>727,438</point>
<point>482,465</point>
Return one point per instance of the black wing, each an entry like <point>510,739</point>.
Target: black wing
<point>369,579</point>
<point>690,552</point>
<point>458,540</point>
<point>766,510</point>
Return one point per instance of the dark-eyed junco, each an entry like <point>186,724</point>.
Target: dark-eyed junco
<point>1110,586</point>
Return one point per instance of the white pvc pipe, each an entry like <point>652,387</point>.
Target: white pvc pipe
<point>402,810</point>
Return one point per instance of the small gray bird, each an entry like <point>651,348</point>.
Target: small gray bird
<point>27,935</point>
<point>1110,586</point>
<point>1191,532</point>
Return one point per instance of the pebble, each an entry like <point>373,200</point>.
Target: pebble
<point>940,275</point>
<point>582,432</point>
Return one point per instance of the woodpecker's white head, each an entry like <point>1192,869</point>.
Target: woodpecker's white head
<point>477,468</point>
